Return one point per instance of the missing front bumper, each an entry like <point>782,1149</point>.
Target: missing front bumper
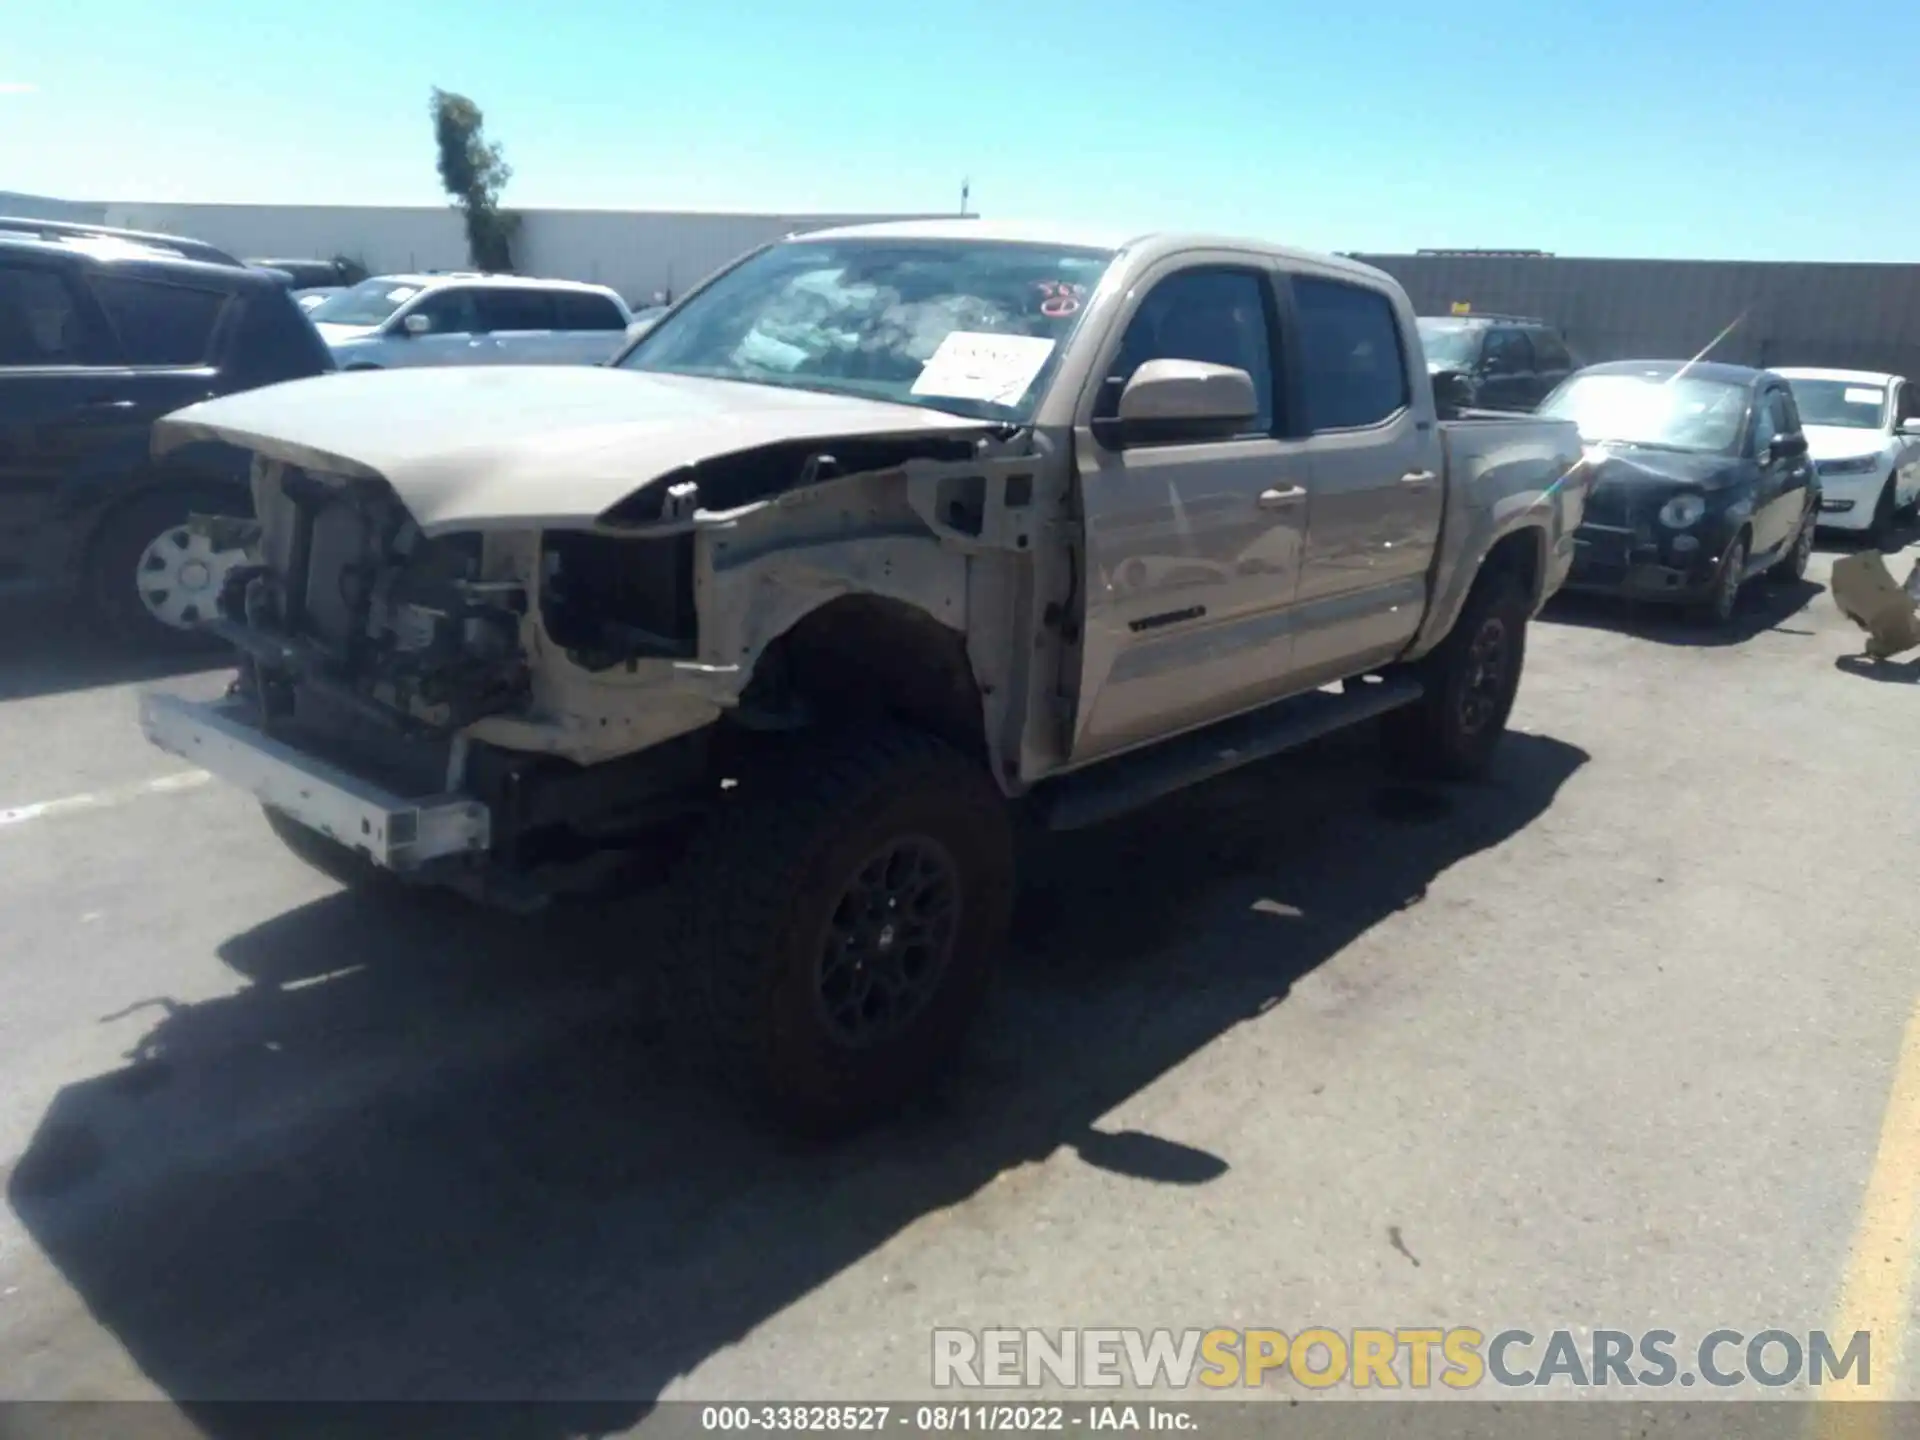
<point>396,832</point>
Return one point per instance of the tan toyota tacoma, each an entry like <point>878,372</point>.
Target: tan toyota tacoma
<point>880,536</point>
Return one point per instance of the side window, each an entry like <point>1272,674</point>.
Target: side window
<point>583,310</point>
<point>1908,405</point>
<point>1509,353</point>
<point>1787,412</point>
<point>1219,316</point>
<point>1768,421</point>
<point>1549,353</point>
<point>1356,368</point>
<point>451,311</point>
<point>505,309</point>
<point>160,324</point>
<point>40,322</point>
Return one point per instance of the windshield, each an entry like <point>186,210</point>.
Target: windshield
<point>965,326</point>
<point>1685,412</point>
<point>1447,342</point>
<point>370,302</point>
<point>1839,402</point>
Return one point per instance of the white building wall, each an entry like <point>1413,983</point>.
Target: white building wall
<point>637,252</point>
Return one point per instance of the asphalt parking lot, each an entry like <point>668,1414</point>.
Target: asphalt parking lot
<point>1605,1042</point>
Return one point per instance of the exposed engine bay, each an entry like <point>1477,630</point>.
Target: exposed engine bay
<point>350,598</point>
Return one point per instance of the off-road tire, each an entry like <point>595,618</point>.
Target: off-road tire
<point>110,576</point>
<point>1723,600</point>
<point>339,863</point>
<point>1791,568</point>
<point>765,879</point>
<point>1452,731</point>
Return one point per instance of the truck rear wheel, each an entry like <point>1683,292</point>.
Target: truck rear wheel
<point>840,919</point>
<point>1471,678</point>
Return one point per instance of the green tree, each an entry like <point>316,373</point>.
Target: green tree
<point>473,171</point>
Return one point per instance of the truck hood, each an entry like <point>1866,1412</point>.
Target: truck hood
<point>529,447</point>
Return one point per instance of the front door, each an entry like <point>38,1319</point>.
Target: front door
<point>1774,486</point>
<point>1376,479</point>
<point>456,333</point>
<point>1507,371</point>
<point>1193,549</point>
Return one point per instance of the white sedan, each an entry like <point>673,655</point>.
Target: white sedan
<point>1863,432</point>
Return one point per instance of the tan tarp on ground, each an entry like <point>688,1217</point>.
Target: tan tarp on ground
<point>1868,595</point>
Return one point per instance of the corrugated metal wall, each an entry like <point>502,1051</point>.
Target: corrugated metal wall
<point>637,252</point>
<point>1858,316</point>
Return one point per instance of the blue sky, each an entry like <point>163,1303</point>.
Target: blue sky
<point>1686,127</point>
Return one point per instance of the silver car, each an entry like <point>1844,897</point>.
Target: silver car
<point>394,321</point>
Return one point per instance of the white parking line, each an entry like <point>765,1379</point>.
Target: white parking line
<point>101,799</point>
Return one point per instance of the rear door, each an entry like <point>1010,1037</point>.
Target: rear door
<point>1551,364</point>
<point>588,326</point>
<point>520,319</point>
<point>61,407</point>
<point>1507,370</point>
<point>1377,496</point>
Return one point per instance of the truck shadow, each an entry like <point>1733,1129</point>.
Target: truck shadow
<point>1764,605</point>
<point>48,649</point>
<point>431,1155</point>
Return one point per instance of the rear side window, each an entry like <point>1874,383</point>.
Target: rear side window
<point>1356,372</point>
<point>1549,352</point>
<point>160,324</point>
<point>504,309</point>
<point>583,310</point>
<point>40,321</point>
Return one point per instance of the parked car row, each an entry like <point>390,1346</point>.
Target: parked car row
<point>1704,476</point>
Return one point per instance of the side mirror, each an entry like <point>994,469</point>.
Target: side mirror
<point>1186,400</point>
<point>416,325</point>
<point>1787,445</point>
<point>1909,426</point>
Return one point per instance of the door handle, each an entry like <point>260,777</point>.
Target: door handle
<point>1280,499</point>
<point>1418,479</point>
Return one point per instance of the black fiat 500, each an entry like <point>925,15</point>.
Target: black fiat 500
<point>1700,481</point>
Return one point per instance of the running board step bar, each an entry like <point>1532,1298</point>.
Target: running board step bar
<point>1112,788</point>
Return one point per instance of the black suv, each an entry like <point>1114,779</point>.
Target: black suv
<point>101,333</point>
<point>1493,362</point>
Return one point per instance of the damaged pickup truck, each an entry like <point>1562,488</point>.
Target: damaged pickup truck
<point>881,537</point>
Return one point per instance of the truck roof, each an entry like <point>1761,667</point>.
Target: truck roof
<point>1089,237</point>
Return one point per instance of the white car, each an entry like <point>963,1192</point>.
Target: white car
<point>395,321</point>
<point>1863,431</point>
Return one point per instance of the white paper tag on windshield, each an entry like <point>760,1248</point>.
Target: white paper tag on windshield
<point>405,292</point>
<point>1865,397</point>
<point>974,365</point>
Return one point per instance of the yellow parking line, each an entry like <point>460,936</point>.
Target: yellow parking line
<point>1876,1294</point>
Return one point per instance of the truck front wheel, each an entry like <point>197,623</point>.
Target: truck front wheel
<point>840,918</point>
<point>1471,678</point>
